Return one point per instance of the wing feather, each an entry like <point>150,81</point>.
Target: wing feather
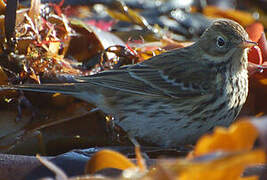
<point>177,77</point>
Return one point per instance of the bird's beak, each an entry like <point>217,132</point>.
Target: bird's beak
<point>248,44</point>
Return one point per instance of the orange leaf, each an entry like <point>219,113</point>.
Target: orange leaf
<point>263,81</point>
<point>255,31</point>
<point>240,136</point>
<point>229,166</point>
<point>242,17</point>
<point>107,159</point>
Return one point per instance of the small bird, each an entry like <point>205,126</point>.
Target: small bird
<point>175,97</point>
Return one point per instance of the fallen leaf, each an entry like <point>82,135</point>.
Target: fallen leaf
<point>107,159</point>
<point>244,18</point>
<point>3,77</point>
<point>255,31</point>
<point>240,136</point>
<point>229,166</point>
<point>263,81</point>
<point>35,9</point>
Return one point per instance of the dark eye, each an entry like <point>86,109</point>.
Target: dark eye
<point>220,41</point>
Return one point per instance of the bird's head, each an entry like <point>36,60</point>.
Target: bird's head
<point>223,39</point>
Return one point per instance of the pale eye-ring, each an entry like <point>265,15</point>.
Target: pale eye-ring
<point>220,42</point>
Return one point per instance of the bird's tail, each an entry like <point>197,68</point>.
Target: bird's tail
<point>63,88</point>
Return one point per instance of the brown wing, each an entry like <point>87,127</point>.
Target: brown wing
<point>176,77</point>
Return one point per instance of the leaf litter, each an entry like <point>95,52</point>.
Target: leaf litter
<point>51,46</point>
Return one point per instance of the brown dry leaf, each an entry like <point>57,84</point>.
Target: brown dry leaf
<point>53,49</point>
<point>2,7</point>
<point>90,41</point>
<point>228,166</point>
<point>169,44</point>
<point>3,77</point>
<point>123,13</point>
<point>39,40</point>
<point>263,81</point>
<point>19,19</point>
<point>244,18</point>
<point>145,53</point>
<point>34,76</point>
<point>3,81</point>
<point>108,159</point>
<point>35,9</point>
<point>146,50</point>
<point>240,136</point>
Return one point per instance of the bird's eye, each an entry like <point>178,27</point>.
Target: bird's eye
<point>220,41</point>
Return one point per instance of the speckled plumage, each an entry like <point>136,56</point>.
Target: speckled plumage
<point>174,97</point>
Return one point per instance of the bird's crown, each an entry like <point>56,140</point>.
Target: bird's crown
<point>229,28</point>
<point>223,37</point>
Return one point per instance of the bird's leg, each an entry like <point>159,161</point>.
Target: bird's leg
<point>110,128</point>
<point>22,100</point>
<point>117,134</point>
<point>138,148</point>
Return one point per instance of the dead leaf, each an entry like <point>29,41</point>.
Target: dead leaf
<point>244,18</point>
<point>35,8</point>
<point>254,31</point>
<point>238,137</point>
<point>107,159</point>
<point>229,166</point>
